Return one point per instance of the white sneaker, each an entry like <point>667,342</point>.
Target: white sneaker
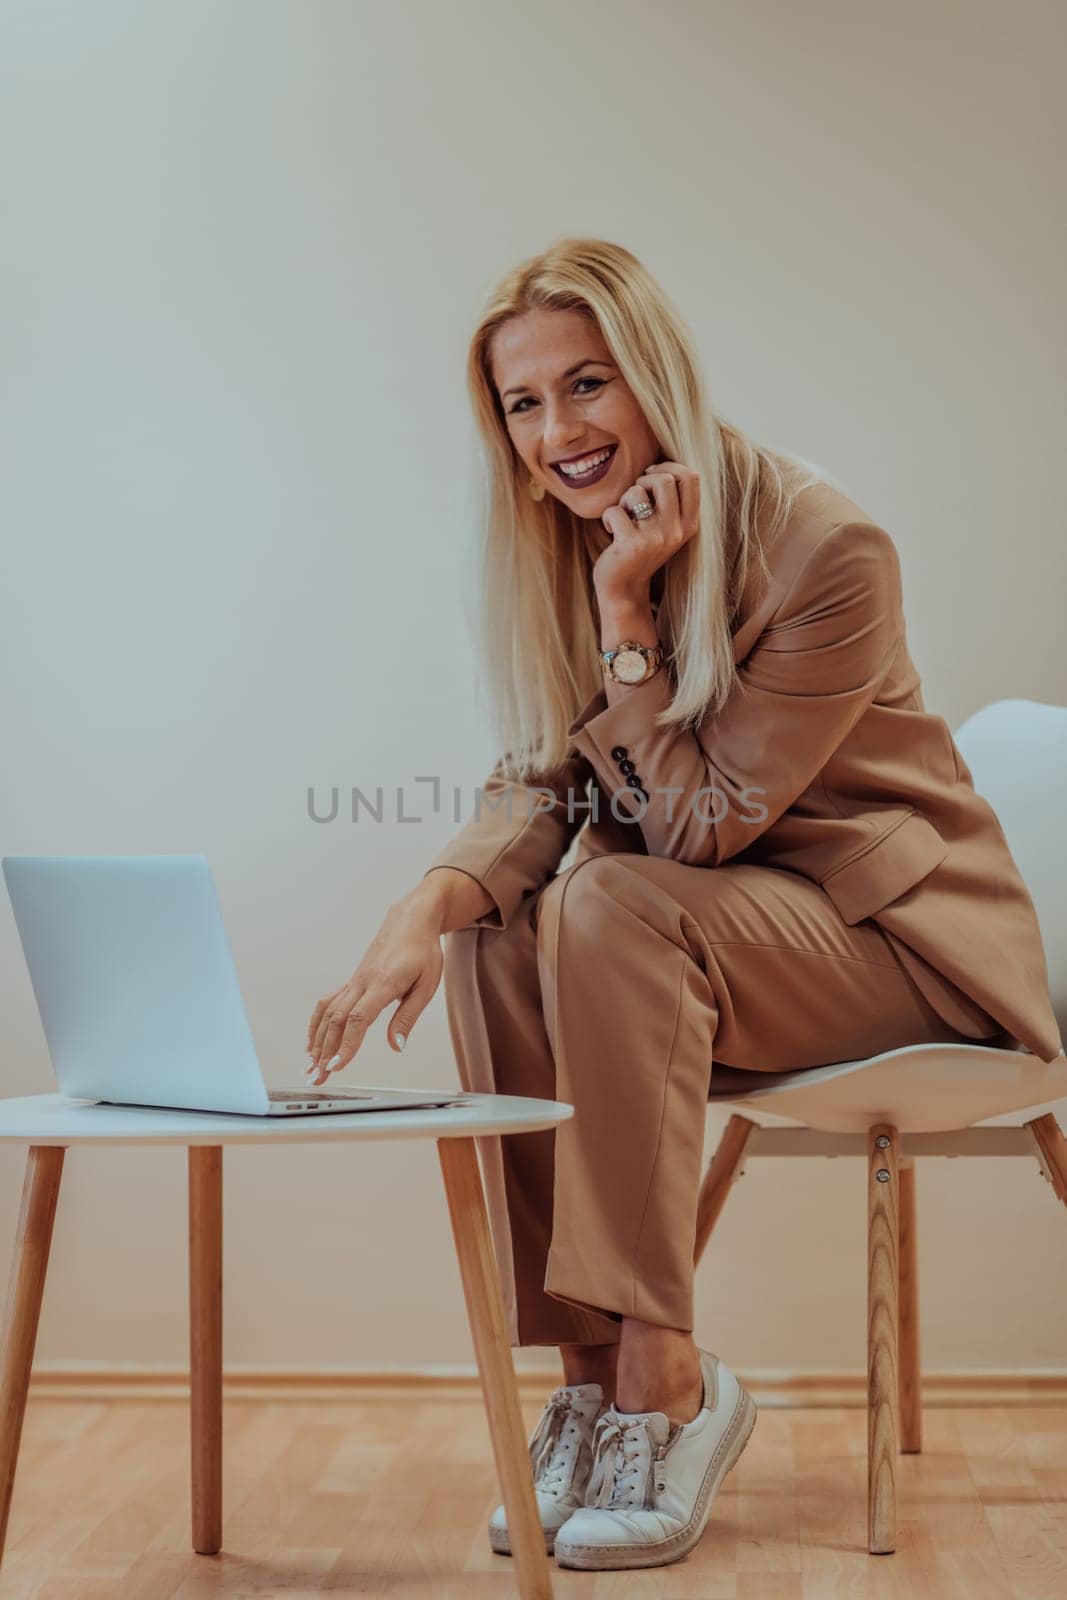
<point>652,1484</point>
<point>561,1453</point>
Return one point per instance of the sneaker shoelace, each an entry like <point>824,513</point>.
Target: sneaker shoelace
<point>554,1444</point>
<point>624,1458</point>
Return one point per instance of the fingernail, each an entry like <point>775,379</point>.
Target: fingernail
<point>400,1041</point>
<point>331,1064</point>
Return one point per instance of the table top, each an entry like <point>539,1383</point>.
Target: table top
<point>56,1120</point>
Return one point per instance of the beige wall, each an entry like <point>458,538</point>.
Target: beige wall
<point>244,244</point>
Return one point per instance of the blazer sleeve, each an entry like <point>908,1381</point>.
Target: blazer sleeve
<point>518,835</point>
<point>812,672</point>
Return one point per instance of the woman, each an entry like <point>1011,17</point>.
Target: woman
<point>698,655</point>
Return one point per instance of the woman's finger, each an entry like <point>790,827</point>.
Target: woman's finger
<point>633,500</point>
<point>371,1003</point>
<point>619,523</point>
<point>316,1018</point>
<point>411,1008</point>
<point>662,488</point>
<point>325,1014</point>
<point>688,489</point>
<point>330,1029</point>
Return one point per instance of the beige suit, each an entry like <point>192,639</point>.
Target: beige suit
<point>809,876</point>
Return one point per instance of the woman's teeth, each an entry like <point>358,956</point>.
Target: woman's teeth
<point>578,469</point>
<point>586,468</point>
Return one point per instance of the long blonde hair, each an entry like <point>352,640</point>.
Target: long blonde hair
<point>538,620</point>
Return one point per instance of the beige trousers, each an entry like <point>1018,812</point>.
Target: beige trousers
<point>615,987</point>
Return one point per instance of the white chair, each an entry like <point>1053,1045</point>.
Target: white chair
<point>924,1100</point>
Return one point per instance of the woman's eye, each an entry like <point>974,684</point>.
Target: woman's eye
<point>598,383</point>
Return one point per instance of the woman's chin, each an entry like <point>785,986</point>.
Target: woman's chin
<point>590,503</point>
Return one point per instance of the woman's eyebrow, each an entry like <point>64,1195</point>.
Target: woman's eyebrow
<point>590,361</point>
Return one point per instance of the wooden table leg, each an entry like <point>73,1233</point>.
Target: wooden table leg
<point>33,1241</point>
<point>883,1333</point>
<point>205,1344</point>
<point>485,1312</point>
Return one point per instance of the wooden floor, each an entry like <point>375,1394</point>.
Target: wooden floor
<point>390,1497</point>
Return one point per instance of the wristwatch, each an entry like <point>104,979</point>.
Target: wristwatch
<point>631,662</point>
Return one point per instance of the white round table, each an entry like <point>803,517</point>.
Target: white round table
<point>48,1123</point>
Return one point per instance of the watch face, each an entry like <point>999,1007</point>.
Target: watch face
<point>629,666</point>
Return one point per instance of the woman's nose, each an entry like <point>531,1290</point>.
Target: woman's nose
<point>562,425</point>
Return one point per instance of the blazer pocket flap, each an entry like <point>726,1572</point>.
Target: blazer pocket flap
<point>885,869</point>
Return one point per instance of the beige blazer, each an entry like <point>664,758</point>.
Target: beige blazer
<point>823,761</point>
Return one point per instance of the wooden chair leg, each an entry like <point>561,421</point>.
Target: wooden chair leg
<point>29,1266</point>
<point>205,1345</point>
<point>485,1313</point>
<point>911,1399</point>
<point>1048,1136</point>
<point>723,1170</point>
<point>883,1254</point>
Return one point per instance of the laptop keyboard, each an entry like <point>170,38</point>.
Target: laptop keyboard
<point>318,1094</point>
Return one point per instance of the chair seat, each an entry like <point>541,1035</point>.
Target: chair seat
<point>920,1088</point>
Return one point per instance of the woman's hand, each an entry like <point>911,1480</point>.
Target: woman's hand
<point>403,962</point>
<point>622,573</point>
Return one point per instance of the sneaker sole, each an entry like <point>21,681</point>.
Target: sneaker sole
<point>501,1544</point>
<point>600,1557</point>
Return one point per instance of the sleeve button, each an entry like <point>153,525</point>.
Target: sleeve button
<point>619,752</point>
<point>627,766</point>
<point>633,780</point>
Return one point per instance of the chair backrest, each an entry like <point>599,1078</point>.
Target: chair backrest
<point>1017,753</point>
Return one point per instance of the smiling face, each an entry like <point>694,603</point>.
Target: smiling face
<point>567,405</point>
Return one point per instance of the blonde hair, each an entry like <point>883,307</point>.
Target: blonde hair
<point>538,619</point>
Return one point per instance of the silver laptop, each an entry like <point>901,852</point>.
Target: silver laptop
<point>138,994</point>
